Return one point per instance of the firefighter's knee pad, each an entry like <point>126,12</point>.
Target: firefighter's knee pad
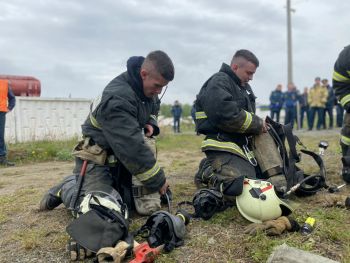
<point>145,203</point>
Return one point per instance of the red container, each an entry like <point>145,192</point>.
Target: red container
<point>23,85</point>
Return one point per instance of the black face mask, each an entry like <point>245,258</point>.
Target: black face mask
<point>207,202</point>
<point>163,228</point>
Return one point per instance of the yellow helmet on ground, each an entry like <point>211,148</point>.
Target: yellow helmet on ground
<point>259,202</point>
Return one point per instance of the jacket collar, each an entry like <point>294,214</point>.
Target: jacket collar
<point>133,66</point>
<point>227,69</point>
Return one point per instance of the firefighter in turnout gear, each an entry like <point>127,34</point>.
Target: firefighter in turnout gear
<point>116,159</point>
<point>341,86</point>
<point>225,114</point>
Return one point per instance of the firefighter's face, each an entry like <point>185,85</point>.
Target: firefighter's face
<point>153,83</point>
<point>244,71</point>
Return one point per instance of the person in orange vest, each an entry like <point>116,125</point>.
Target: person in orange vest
<point>7,103</point>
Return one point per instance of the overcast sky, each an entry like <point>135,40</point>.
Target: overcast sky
<point>76,47</point>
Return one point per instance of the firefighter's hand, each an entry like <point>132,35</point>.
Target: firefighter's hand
<point>165,186</point>
<point>148,130</point>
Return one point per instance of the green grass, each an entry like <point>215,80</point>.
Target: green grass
<point>41,151</point>
<point>186,140</point>
<point>220,239</point>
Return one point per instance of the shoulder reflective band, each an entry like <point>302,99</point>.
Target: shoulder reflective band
<point>345,140</point>
<point>148,174</point>
<point>93,107</point>
<point>345,100</point>
<point>200,115</point>
<point>154,117</point>
<point>339,77</point>
<point>228,146</point>
<point>247,122</point>
<point>94,121</point>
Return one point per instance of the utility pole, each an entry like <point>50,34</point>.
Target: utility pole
<point>289,43</point>
<point>290,56</point>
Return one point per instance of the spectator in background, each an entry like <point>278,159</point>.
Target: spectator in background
<point>276,102</point>
<point>7,103</point>
<point>329,104</point>
<point>290,102</point>
<point>176,111</point>
<point>304,107</point>
<point>297,107</point>
<point>317,100</point>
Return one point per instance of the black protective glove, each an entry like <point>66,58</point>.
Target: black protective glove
<point>164,199</point>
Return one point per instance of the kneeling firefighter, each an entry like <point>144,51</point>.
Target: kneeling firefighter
<point>115,163</point>
<point>240,145</point>
<point>264,197</point>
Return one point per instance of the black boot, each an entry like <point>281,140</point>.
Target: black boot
<point>346,169</point>
<point>51,199</point>
<point>5,162</point>
<point>204,174</point>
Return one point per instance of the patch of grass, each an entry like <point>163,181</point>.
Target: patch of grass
<point>40,151</point>
<point>169,142</point>
<point>37,237</point>
<point>224,218</point>
<point>64,155</point>
<point>7,206</point>
<point>183,190</point>
<point>15,203</point>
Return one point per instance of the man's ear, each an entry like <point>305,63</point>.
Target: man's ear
<point>234,67</point>
<point>143,74</point>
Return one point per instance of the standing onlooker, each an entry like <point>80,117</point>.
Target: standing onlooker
<point>317,101</point>
<point>7,103</point>
<point>304,107</point>
<point>340,114</point>
<point>290,102</point>
<point>176,111</point>
<point>329,104</point>
<point>276,102</point>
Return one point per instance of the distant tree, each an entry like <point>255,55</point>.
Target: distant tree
<point>165,110</point>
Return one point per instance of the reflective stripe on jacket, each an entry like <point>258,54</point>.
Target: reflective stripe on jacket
<point>116,122</point>
<point>224,107</point>
<point>341,76</point>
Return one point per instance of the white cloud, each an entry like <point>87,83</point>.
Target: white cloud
<point>76,47</point>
